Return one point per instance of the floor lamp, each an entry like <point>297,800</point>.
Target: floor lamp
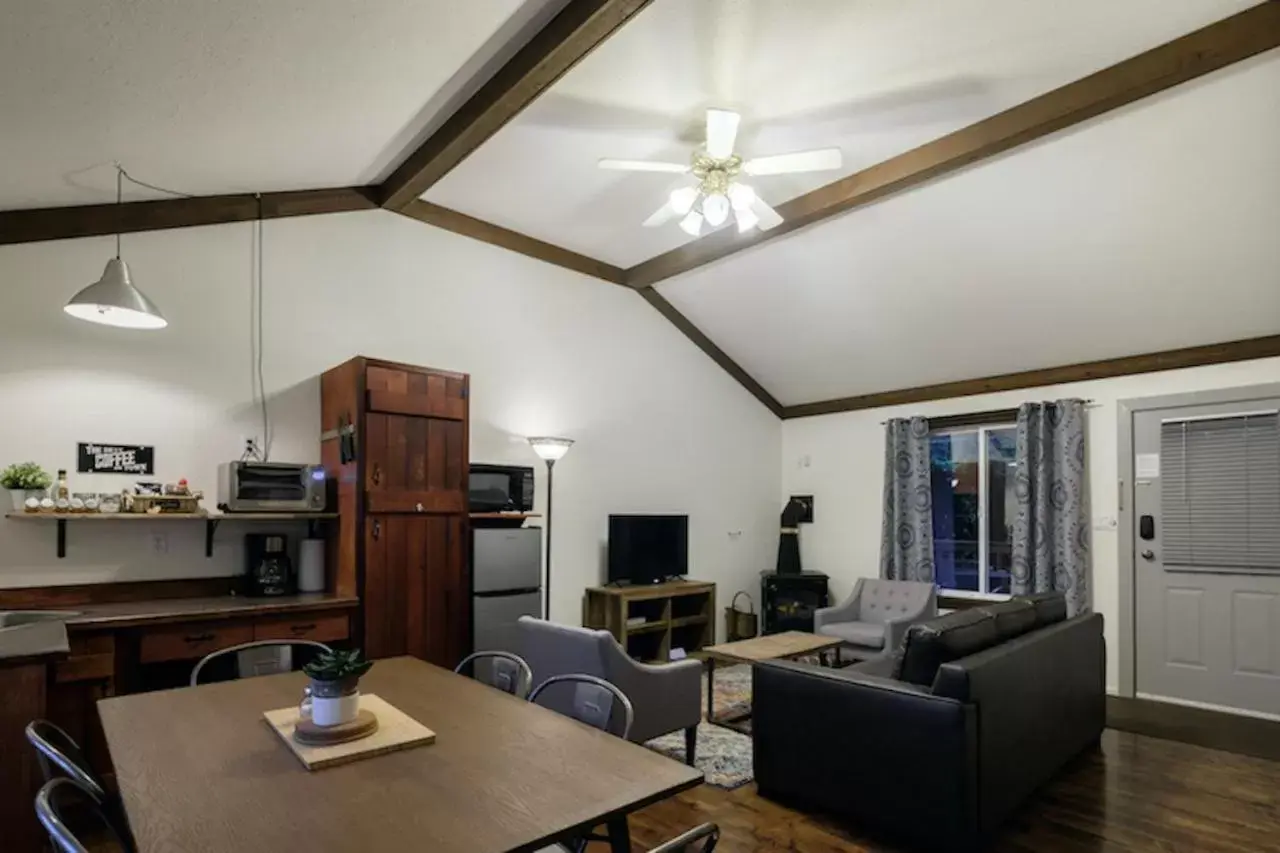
<point>550,449</point>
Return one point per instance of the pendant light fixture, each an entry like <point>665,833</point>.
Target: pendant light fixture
<point>113,300</point>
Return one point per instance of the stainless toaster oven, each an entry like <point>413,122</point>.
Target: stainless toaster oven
<point>270,487</point>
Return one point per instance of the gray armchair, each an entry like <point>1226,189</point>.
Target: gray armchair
<point>875,618</point>
<point>666,697</point>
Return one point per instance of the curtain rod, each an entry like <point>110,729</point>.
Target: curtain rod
<point>991,416</point>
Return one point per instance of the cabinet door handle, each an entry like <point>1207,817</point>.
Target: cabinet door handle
<point>302,629</point>
<point>198,638</point>
<point>376,475</point>
<point>377,529</point>
<point>418,507</point>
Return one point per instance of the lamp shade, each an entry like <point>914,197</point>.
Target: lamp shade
<point>550,449</point>
<point>113,301</point>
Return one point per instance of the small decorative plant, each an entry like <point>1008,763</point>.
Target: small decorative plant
<point>337,672</point>
<point>25,476</point>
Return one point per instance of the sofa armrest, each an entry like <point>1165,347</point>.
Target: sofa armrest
<point>846,611</point>
<point>665,697</point>
<point>889,755</point>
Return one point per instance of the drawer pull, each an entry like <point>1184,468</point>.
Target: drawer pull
<point>199,638</point>
<point>302,629</point>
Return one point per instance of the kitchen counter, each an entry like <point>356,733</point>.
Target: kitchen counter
<point>47,639</point>
<point>25,643</point>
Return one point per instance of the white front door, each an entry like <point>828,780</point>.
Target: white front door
<point>1207,554</point>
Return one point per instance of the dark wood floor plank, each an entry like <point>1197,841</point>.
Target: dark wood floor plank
<point>1137,794</point>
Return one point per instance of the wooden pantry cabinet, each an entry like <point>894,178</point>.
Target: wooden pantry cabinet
<point>395,440</point>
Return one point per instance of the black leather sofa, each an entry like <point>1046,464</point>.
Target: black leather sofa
<point>936,744</point>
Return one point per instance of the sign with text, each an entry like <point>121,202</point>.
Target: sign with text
<point>93,458</point>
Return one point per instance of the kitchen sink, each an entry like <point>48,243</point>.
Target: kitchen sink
<point>14,618</point>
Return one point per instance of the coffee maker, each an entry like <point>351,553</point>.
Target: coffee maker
<point>268,569</point>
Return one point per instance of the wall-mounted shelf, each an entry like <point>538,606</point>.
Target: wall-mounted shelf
<point>211,520</point>
<point>514,516</point>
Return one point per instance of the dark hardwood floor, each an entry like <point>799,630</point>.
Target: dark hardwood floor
<point>1136,794</point>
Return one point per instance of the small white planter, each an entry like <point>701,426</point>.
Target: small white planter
<point>335,710</point>
<point>19,498</point>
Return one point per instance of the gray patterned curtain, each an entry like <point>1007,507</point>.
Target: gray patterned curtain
<point>906,536</point>
<point>1051,531</point>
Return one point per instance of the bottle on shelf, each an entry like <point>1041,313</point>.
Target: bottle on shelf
<point>61,491</point>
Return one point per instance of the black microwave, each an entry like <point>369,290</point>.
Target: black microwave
<point>500,488</point>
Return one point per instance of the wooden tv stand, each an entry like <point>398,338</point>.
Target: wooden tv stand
<point>677,614</point>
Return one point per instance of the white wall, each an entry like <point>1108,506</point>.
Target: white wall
<point>659,427</point>
<point>839,459</point>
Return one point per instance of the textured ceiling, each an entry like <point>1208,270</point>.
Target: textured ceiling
<point>873,77</point>
<point>226,96</point>
<point>1149,229</point>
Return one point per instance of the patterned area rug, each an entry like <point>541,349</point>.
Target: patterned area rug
<point>724,756</point>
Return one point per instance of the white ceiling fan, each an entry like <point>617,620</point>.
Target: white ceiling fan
<point>718,191</point>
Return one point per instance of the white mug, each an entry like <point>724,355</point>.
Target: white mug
<point>330,711</point>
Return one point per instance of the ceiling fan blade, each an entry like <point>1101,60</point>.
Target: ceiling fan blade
<point>643,166</point>
<point>767,217</point>
<point>818,160</point>
<point>722,132</point>
<point>661,216</point>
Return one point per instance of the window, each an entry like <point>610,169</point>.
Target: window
<point>1220,491</point>
<point>974,505</point>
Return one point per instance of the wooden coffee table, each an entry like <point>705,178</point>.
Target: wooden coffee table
<point>785,646</point>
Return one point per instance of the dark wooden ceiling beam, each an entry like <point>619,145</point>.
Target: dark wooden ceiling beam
<point>496,235</point>
<point>693,333</point>
<point>572,34</point>
<point>1107,368</point>
<point>1216,46</point>
<point>61,223</point>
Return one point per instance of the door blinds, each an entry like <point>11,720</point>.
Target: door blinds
<point>1220,491</point>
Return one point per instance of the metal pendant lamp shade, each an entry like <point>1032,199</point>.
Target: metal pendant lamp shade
<point>113,301</point>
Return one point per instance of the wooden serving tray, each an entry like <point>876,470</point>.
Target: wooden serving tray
<point>396,731</point>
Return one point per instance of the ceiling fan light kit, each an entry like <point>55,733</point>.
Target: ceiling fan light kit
<point>718,192</point>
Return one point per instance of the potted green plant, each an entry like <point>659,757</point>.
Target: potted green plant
<point>335,686</point>
<point>22,479</point>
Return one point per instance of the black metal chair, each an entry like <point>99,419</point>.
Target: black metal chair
<point>257,644</point>
<point>507,672</point>
<point>681,843</point>
<point>592,703</point>
<point>61,756</point>
<point>62,797</point>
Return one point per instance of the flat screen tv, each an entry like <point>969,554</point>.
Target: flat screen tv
<point>647,548</point>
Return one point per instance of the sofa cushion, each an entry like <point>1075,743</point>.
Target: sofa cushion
<point>1013,618</point>
<point>932,643</point>
<point>882,666</point>
<point>866,634</point>
<point>1050,607</point>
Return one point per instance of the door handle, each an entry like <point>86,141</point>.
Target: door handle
<point>418,508</point>
<point>1148,555</point>
<point>376,475</point>
<point>377,529</point>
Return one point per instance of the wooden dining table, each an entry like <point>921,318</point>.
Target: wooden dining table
<point>200,771</point>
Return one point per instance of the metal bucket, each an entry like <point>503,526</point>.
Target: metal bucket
<point>739,625</point>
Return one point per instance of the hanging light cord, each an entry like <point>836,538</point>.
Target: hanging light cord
<point>121,177</point>
<point>257,381</point>
<point>258,333</point>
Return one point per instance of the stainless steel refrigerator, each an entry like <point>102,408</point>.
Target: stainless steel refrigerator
<point>506,583</point>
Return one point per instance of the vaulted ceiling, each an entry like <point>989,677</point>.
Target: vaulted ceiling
<point>1148,228</point>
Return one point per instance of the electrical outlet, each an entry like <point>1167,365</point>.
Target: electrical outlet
<point>160,543</point>
<point>251,447</point>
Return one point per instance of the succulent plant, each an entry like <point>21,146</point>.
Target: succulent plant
<point>337,665</point>
<point>25,475</point>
